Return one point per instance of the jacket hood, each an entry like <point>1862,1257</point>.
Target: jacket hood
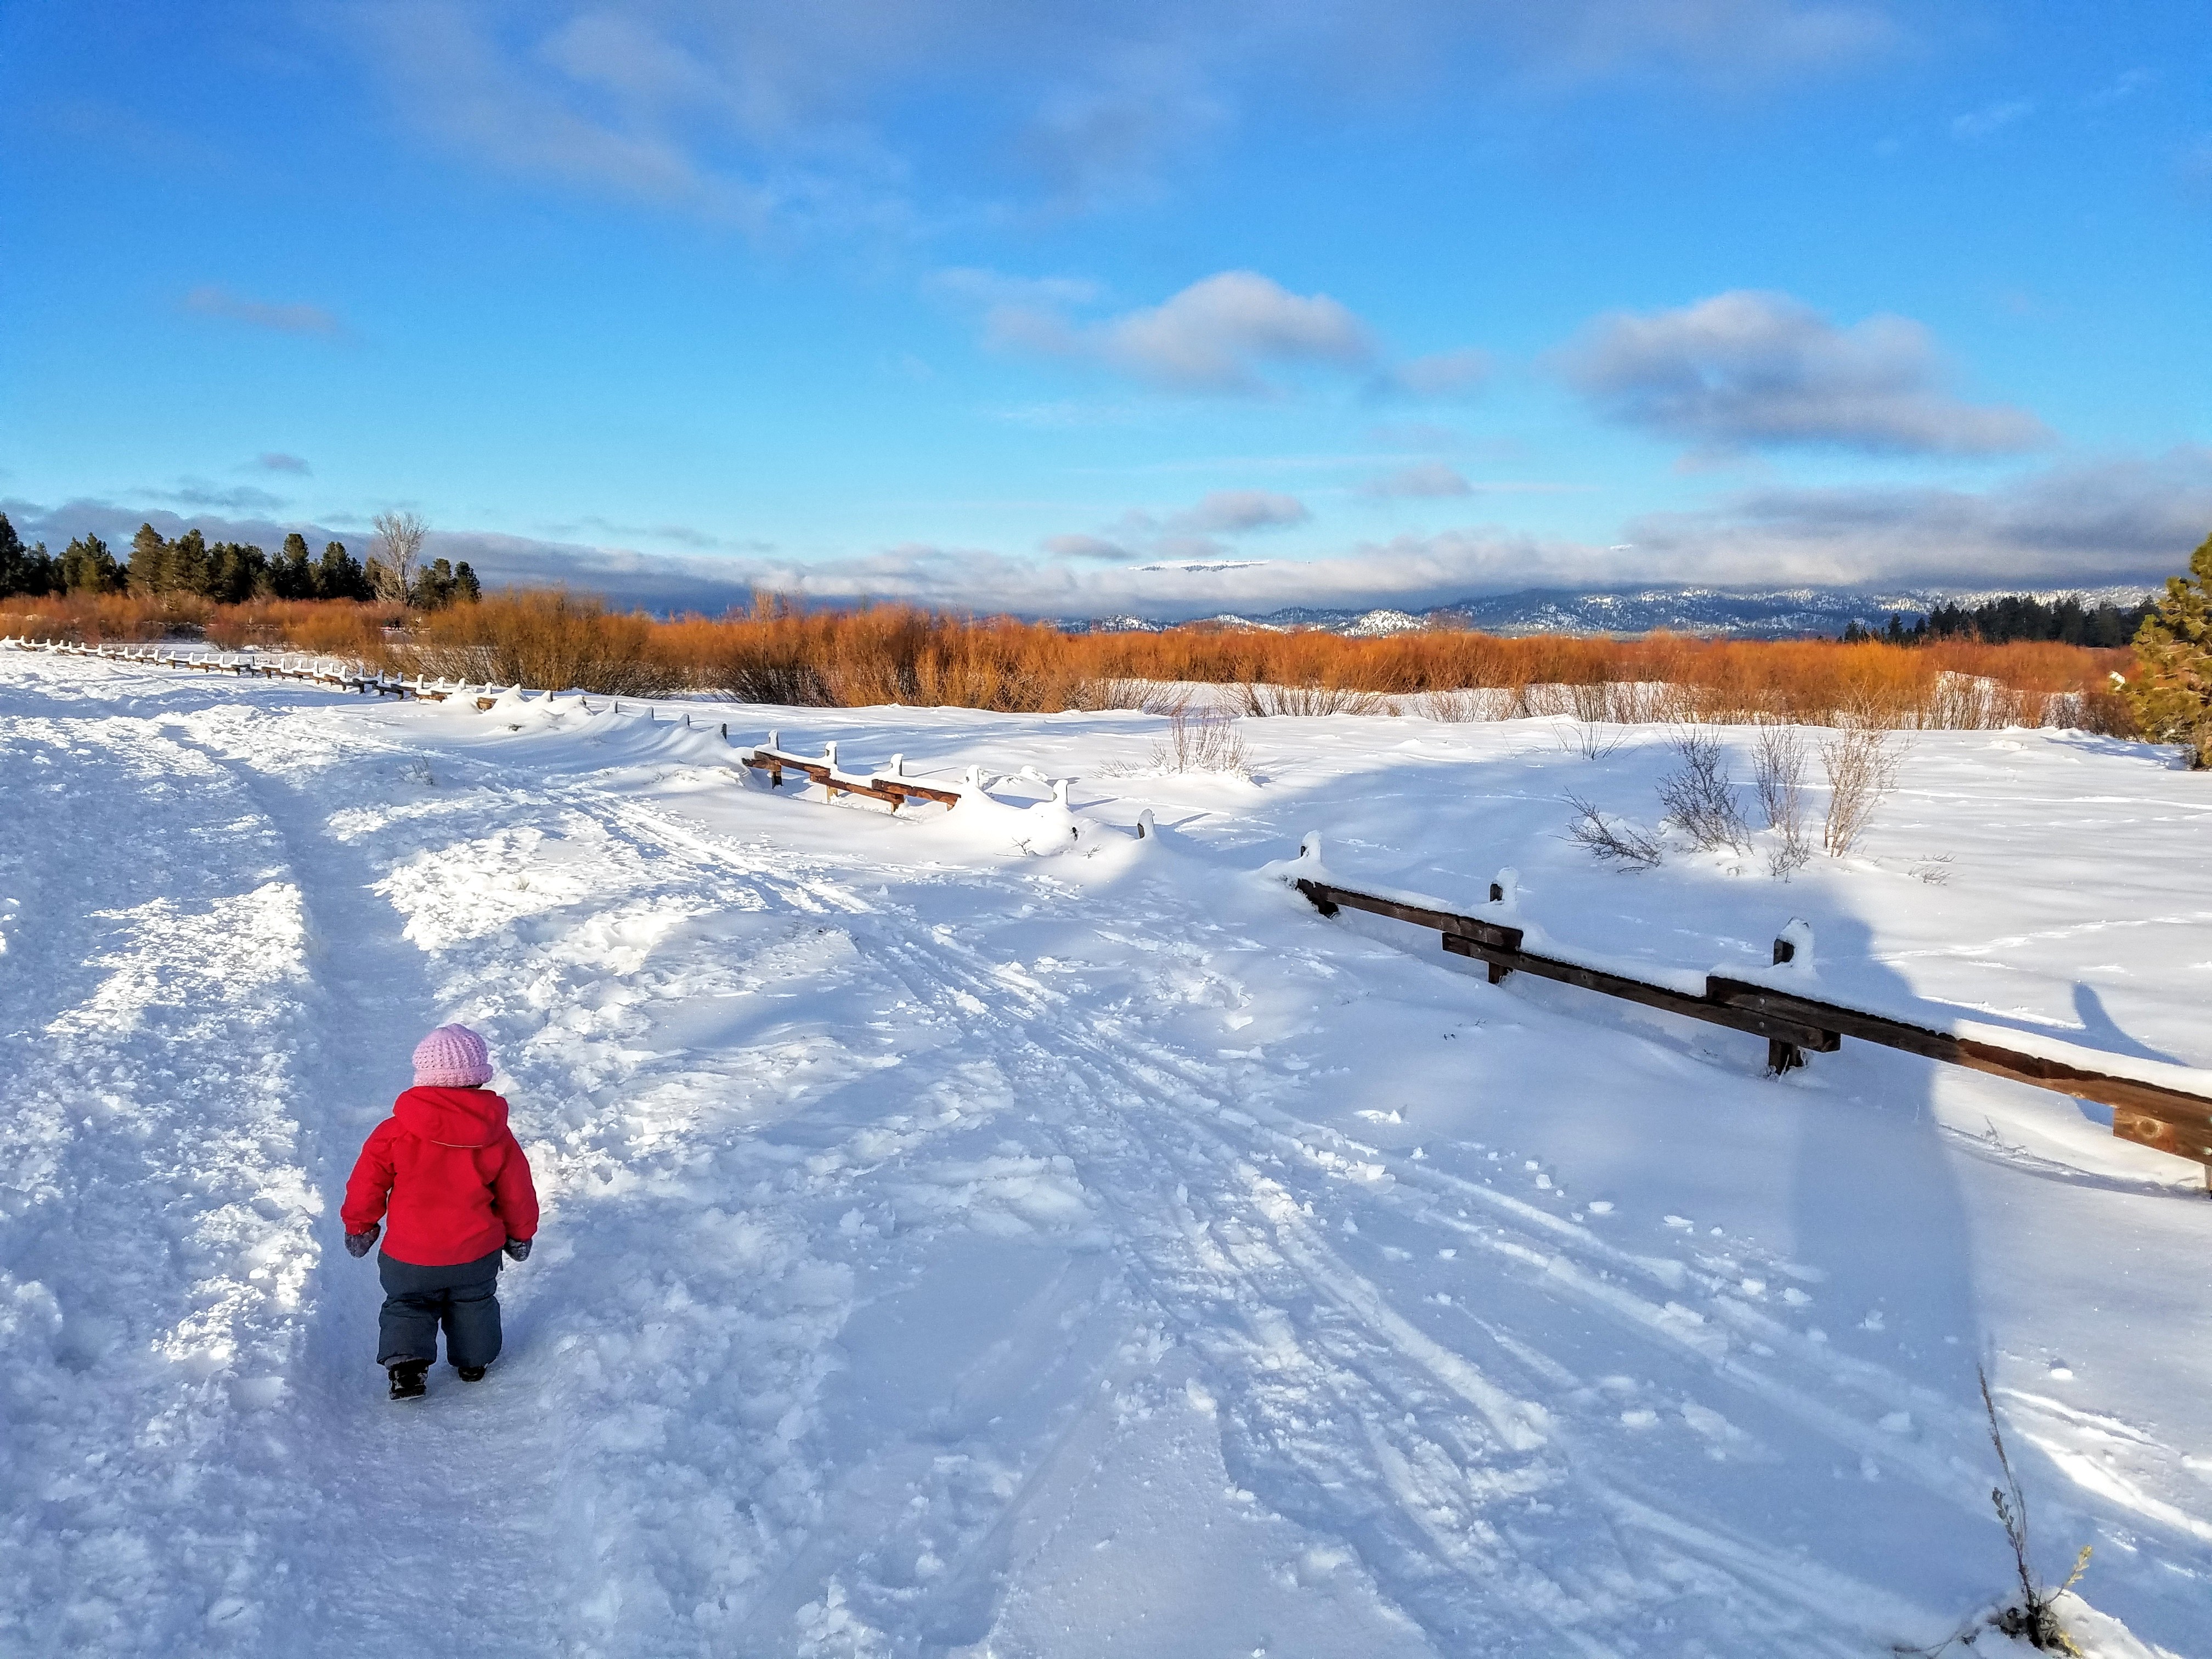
<point>452,1117</point>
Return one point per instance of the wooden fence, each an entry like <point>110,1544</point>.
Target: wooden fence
<point>2151,1114</point>
<point>242,663</point>
<point>895,790</point>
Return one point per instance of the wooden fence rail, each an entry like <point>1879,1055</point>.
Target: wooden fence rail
<point>2151,1114</point>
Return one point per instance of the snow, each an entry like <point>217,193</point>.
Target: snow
<point>992,1233</point>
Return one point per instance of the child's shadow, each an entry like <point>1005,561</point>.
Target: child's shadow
<point>2101,1030</point>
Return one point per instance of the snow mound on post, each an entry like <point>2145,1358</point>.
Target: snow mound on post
<point>1040,829</point>
<point>1306,866</point>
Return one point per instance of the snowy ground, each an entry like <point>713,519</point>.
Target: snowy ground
<point>955,1250</point>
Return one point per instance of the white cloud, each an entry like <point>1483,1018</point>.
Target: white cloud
<point>683,535</point>
<point>1422,481</point>
<point>1715,43</point>
<point>1234,511</point>
<point>1186,533</point>
<point>198,493</point>
<point>996,289</point>
<point>2125,85</point>
<point>1991,118</point>
<point>1747,369</point>
<point>274,462</point>
<point>1219,334</point>
<point>2082,523</point>
<point>280,318</point>
<point>1435,481</point>
<point>828,112</point>
<point>1443,374</point>
<point>1088,547</point>
<point>1113,129</point>
<point>1214,334</point>
<point>1233,333</point>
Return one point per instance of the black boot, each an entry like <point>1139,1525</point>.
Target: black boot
<point>470,1373</point>
<point>407,1381</point>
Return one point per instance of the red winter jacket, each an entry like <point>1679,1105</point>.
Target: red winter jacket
<point>453,1174</point>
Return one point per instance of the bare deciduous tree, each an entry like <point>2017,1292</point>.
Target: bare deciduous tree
<point>1861,768</point>
<point>1699,798</point>
<point>1199,740</point>
<point>1260,698</point>
<point>1590,739</point>
<point>1779,775</point>
<point>398,551</point>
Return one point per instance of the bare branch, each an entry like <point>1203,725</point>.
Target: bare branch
<point>1699,798</point>
<point>1861,768</point>
<point>1612,839</point>
<point>399,550</point>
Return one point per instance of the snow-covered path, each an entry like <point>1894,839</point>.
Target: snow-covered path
<point>950,1251</point>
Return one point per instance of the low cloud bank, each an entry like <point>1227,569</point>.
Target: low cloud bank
<point>2117,521</point>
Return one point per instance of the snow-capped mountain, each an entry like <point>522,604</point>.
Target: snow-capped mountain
<point>1773,613</point>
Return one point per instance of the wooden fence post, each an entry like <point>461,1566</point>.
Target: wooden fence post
<point>1783,1056</point>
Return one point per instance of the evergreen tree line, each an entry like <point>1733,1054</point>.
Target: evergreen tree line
<point>229,572</point>
<point>2014,616</point>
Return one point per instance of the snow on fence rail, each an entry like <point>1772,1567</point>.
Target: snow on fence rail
<point>894,789</point>
<point>2150,1114</point>
<point>289,666</point>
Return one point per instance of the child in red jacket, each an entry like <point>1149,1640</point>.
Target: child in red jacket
<point>452,1179</point>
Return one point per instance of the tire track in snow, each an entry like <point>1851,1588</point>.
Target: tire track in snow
<point>1265,1286</point>
<point>1369,1377</point>
<point>397,1496</point>
<point>1369,1365</point>
<point>660,1499</point>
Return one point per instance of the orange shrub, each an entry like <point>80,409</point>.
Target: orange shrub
<point>105,618</point>
<point>779,652</point>
<point>338,627</point>
<point>542,638</point>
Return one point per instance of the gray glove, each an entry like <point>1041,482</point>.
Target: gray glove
<point>518,1249</point>
<point>359,1244</point>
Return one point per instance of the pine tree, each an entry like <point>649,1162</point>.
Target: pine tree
<point>19,570</point>
<point>2170,694</point>
<point>290,575</point>
<point>339,576</point>
<point>88,566</point>
<point>148,570</point>
<point>469,590</point>
<point>437,587</point>
<point>190,568</point>
<point>237,572</point>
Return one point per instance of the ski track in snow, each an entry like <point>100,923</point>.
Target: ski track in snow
<point>931,1264</point>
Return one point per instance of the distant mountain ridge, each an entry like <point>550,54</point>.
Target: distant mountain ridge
<point>1734,613</point>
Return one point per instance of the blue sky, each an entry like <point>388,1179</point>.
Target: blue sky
<point>1086,308</point>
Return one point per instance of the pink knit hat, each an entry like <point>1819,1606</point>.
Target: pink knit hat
<point>451,1057</point>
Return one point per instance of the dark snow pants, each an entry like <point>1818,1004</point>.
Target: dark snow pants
<point>464,1299</point>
